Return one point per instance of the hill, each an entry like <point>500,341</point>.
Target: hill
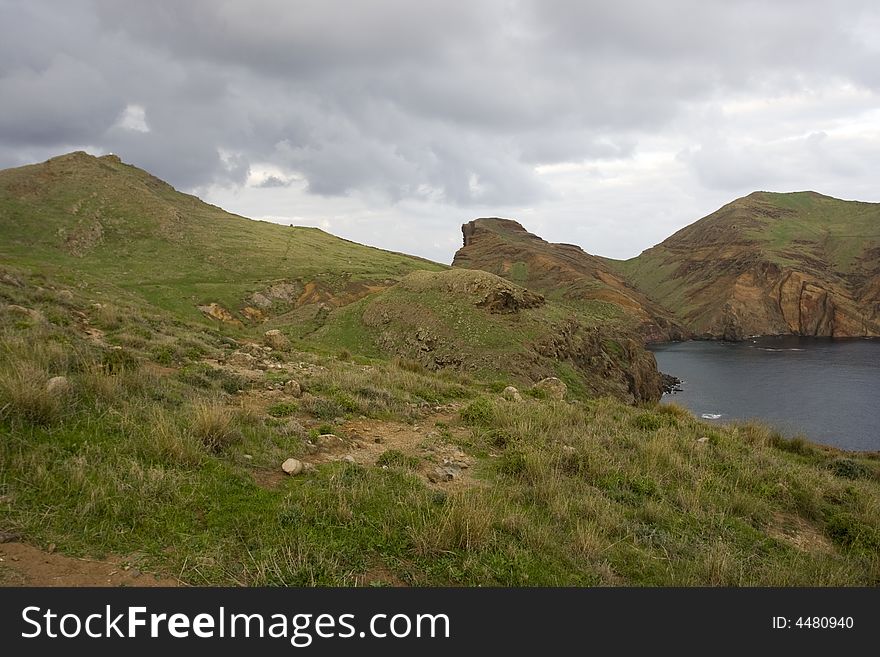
<point>766,264</point>
<point>97,221</point>
<point>564,273</point>
<point>102,224</point>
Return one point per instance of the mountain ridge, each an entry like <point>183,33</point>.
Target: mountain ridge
<point>800,263</point>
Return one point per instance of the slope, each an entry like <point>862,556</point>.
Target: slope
<point>97,221</point>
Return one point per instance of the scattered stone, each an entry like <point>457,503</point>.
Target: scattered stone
<point>440,474</point>
<point>703,439</point>
<point>671,384</point>
<point>248,457</point>
<point>552,387</point>
<point>329,441</point>
<point>568,449</point>
<point>58,386</point>
<point>276,339</point>
<point>9,537</point>
<point>51,548</point>
<point>242,359</point>
<point>30,313</point>
<point>292,467</point>
<point>293,388</point>
<point>11,279</point>
<point>511,394</point>
<point>292,428</point>
<point>65,295</point>
<point>348,458</point>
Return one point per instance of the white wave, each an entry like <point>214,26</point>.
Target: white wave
<point>710,416</point>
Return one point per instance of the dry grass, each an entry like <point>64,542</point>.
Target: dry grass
<point>214,426</point>
<point>24,397</point>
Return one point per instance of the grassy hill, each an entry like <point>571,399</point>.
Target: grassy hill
<point>137,429</point>
<point>799,263</point>
<point>96,221</point>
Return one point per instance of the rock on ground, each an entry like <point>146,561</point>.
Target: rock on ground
<point>553,387</point>
<point>511,394</point>
<point>293,388</point>
<point>58,385</point>
<point>292,466</point>
<point>276,339</point>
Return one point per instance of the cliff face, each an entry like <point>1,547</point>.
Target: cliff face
<point>768,264</point>
<point>561,271</point>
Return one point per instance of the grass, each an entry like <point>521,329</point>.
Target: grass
<point>157,448</point>
<point>587,493</point>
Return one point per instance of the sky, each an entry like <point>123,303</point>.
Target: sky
<point>391,122</point>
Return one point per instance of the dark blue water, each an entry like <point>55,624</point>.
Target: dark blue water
<point>826,390</point>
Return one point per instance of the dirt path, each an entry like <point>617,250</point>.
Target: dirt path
<point>26,565</point>
<point>431,442</point>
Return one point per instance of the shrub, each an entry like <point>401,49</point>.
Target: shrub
<point>344,355</point>
<point>282,409</point>
<point>478,413</point>
<point>849,469</point>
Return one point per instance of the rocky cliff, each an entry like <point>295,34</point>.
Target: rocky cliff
<point>768,264</point>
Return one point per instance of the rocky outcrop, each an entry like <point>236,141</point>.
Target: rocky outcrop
<point>622,363</point>
<point>503,247</point>
<point>477,322</point>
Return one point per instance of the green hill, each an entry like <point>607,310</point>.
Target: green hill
<point>97,221</point>
<point>799,263</point>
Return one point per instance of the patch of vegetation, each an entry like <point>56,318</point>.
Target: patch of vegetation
<point>283,409</point>
<point>396,458</point>
<point>479,412</point>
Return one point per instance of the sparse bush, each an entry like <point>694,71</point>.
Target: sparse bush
<point>478,413</point>
<point>119,360</point>
<point>408,365</point>
<point>849,469</point>
<point>465,524</point>
<point>849,532</point>
<point>512,463</point>
<point>214,425</point>
<point>166,354</point>
<point>343,355</point>
<point>796,445</point>
<point>674,410</point>
<point>650,421</point>
<point>23,396</point>
<point>282,409</point>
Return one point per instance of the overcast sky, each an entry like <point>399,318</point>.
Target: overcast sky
<point>391,122</point>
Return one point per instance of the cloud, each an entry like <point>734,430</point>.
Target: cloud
<point>435,112</point>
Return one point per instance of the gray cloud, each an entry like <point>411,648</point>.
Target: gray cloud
<point>459,107</point>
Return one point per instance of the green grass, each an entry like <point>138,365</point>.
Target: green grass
<point>163,247</point>
<point>587,493</point>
